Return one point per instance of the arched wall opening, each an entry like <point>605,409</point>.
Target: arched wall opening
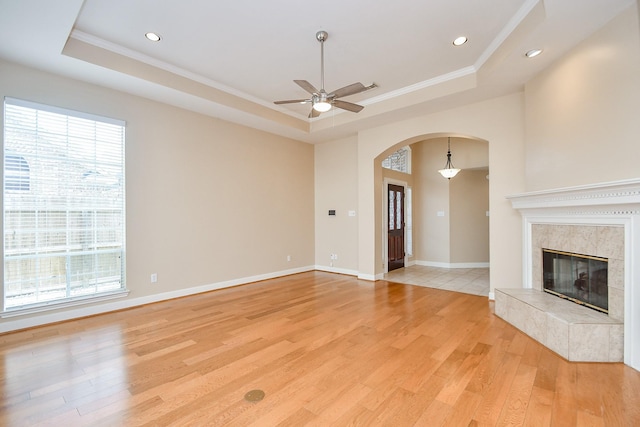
<point>499,122</point>
<point>447,223</point>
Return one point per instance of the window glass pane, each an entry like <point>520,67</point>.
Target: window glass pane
<point>63,205</point>
<point>399,161</point>
<point>408,222</point>
<point>398,210</point>
<point>392,211</point>
<point>16,173</point>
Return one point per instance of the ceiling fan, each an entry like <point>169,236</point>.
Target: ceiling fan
<point>320,100</point>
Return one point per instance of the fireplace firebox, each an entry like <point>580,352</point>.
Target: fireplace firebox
<point>576,277</point>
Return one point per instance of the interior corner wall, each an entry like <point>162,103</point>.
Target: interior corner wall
<point>582,112</point>
<point>336,189</point>
<point>209,203</point>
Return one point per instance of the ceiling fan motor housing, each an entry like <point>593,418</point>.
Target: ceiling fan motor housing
<point>321,97</point>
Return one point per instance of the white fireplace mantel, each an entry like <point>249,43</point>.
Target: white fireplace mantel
<point>608,196</point>
<point>608,204</point>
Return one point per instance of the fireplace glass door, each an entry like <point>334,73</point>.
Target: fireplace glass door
<point>579,278</point>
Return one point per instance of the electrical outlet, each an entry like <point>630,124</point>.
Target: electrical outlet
<point>154,277</point>
<point>288,257</point>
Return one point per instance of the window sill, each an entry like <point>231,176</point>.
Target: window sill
<point>55,305</point>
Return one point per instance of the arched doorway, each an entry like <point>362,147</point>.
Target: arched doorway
<point>451,225</point>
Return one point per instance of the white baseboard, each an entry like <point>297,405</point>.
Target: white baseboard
<point>330,269</point>
<point>52,317</point>
<point>453,265</point>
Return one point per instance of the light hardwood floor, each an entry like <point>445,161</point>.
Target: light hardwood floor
<point>326,349</point>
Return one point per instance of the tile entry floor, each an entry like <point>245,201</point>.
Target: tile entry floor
<point>466,280</point>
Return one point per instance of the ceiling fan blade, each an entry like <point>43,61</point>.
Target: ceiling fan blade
<point>349,106</point>
<point>292,101</point>
<point>352,89</point>
<point>314,113</point>
<point>306,86</point>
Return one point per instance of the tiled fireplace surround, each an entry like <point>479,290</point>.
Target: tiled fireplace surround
<point>601,220</point>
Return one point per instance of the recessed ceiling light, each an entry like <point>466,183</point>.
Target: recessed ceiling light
<point>460,41</point>
<point>153,36</point>
<point>533,53</point>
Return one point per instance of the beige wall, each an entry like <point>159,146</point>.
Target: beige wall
<point>582,114</point>
<point>435,237</point>
<point>336,188</point>
<point>469,204</point>
<point>431,195</point>
<point>208,201</point>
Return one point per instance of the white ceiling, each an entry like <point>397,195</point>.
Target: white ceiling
<point>232,59</point>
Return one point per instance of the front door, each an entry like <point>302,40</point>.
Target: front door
<point>395,228</point>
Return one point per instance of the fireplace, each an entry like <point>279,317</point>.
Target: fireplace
<point>600,219</point>
<point>578,278</point>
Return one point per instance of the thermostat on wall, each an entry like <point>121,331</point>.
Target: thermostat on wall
<point>332,212</point>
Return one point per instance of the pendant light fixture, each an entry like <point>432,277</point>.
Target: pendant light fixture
<point>449,171</point>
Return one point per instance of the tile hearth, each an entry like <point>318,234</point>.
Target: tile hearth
<point>577,333</point>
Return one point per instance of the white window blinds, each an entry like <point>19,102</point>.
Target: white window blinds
<point>64,205</point>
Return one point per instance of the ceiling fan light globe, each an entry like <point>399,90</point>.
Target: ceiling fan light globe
<point>321,106</point>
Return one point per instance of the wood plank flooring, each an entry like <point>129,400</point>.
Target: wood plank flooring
<point>326,349</point>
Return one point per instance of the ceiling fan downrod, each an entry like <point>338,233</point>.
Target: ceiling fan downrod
<point>321,36</point>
